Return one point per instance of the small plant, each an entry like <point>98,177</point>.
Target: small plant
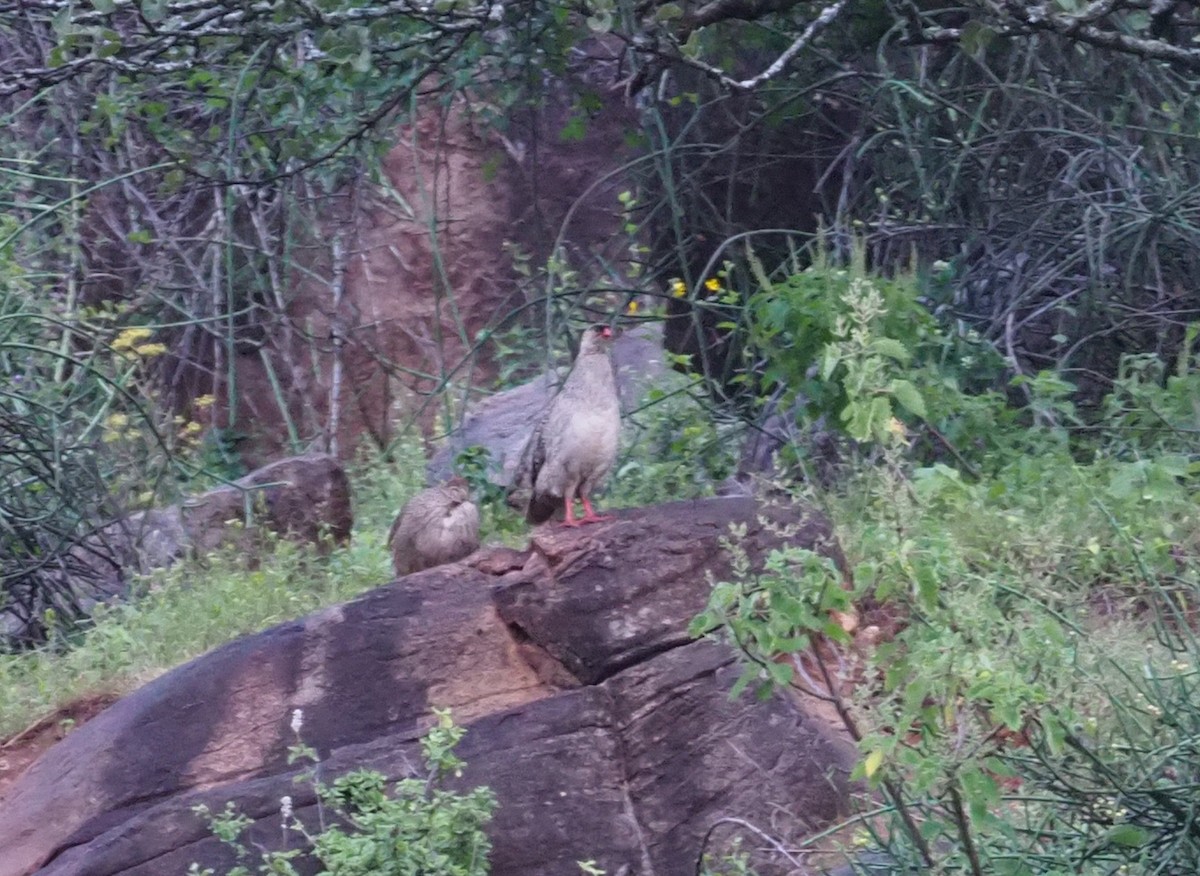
<point>674,447</point>
<point>475,463</point>
<point>777,613</point>
<point>417,828</point>
<point>871,365</point>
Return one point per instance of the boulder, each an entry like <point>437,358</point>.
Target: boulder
<point>605,732</point>
<point>305,498</point>
<point>501,423</point>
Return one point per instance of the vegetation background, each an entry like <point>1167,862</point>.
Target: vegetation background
<point>941,258</point>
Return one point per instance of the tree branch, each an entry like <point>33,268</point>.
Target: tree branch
<point>818,24</point>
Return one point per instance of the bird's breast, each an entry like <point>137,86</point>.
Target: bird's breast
<point>589,437</point>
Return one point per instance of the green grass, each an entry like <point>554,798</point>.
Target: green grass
<point>180,613</point>
<point>183,611</point>
<point>1048,600</point>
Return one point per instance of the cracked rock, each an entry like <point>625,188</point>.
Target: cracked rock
<point>604,730</point>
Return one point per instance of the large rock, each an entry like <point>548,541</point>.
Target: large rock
<point>604,731</point>
<point>501,423</point>
<point>303,498</point>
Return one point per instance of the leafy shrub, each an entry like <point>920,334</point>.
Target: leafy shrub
<point>81,445</point>
<point>674,447</point>
<point>1011,722</point>
<point>417,828</point>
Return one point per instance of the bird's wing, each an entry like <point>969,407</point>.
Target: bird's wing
<point>533,457</point>
<point>537,452</point>
<point>543,503</point>
<point>391,539</point>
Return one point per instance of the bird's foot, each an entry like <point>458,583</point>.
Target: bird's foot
<point>593,518</point>
<point>589,513</point>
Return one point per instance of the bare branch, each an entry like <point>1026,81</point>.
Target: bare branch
<point>1103,24</point>
<point>818,24</point>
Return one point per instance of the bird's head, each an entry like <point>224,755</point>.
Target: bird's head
<point>596,339</point>
<point>457,490</point>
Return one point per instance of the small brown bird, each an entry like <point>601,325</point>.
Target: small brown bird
<point>575,442</point>
<point>437,525</point>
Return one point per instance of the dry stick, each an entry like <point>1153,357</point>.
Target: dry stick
<point>964,830</point>
<point>818,24</point>
<point>266,243</point>
<point>766,837</point>
<point>220,365</point>
<point>72,234</point>
<point>336,330</point>
<point>889,785</point>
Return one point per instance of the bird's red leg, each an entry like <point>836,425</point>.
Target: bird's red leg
<point>589,513</point>
<point>570,520</point>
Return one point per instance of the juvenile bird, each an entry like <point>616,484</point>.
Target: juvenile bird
<point>574,444</point>
<point>437,525</point>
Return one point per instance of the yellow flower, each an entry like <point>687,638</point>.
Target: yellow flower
<point>130,336</point>
<point>897,428</point>
<point>633,306</point>
<point>712,284</point>
<point>204,401</point>
<point>116,421</point>
<point>192,428</point>
<point>150,350</point>
<point>678,289</point>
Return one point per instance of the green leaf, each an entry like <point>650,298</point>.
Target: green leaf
<point>928,586</point>
<point>873,762</point>
<point>154,10</point>
<point>1055,736</point>
<point>829,361</point>
<point>702,624</point>
<point>833,630</point>
<point>891,348</point>
<point>602,22</point>
<point>981,792</point>
<point>574,130</point>
<point>691,49</point>
<point>1128,835</point>
<point>870,421</point>
<point>781,673</point>
<point>104,6</point>
<point>668,12</point>
<point>976,37</point>
<point>108,44</point>
<point>61,23</point>
<point>741,684</point>
<point>908,396</point>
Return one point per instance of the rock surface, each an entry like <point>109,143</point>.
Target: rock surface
<point>301,497</point>
<point>501,423</point>
<point>605,731</point>
<point>431,261</point>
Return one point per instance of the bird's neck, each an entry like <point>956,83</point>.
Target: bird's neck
<point>591,369</point>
